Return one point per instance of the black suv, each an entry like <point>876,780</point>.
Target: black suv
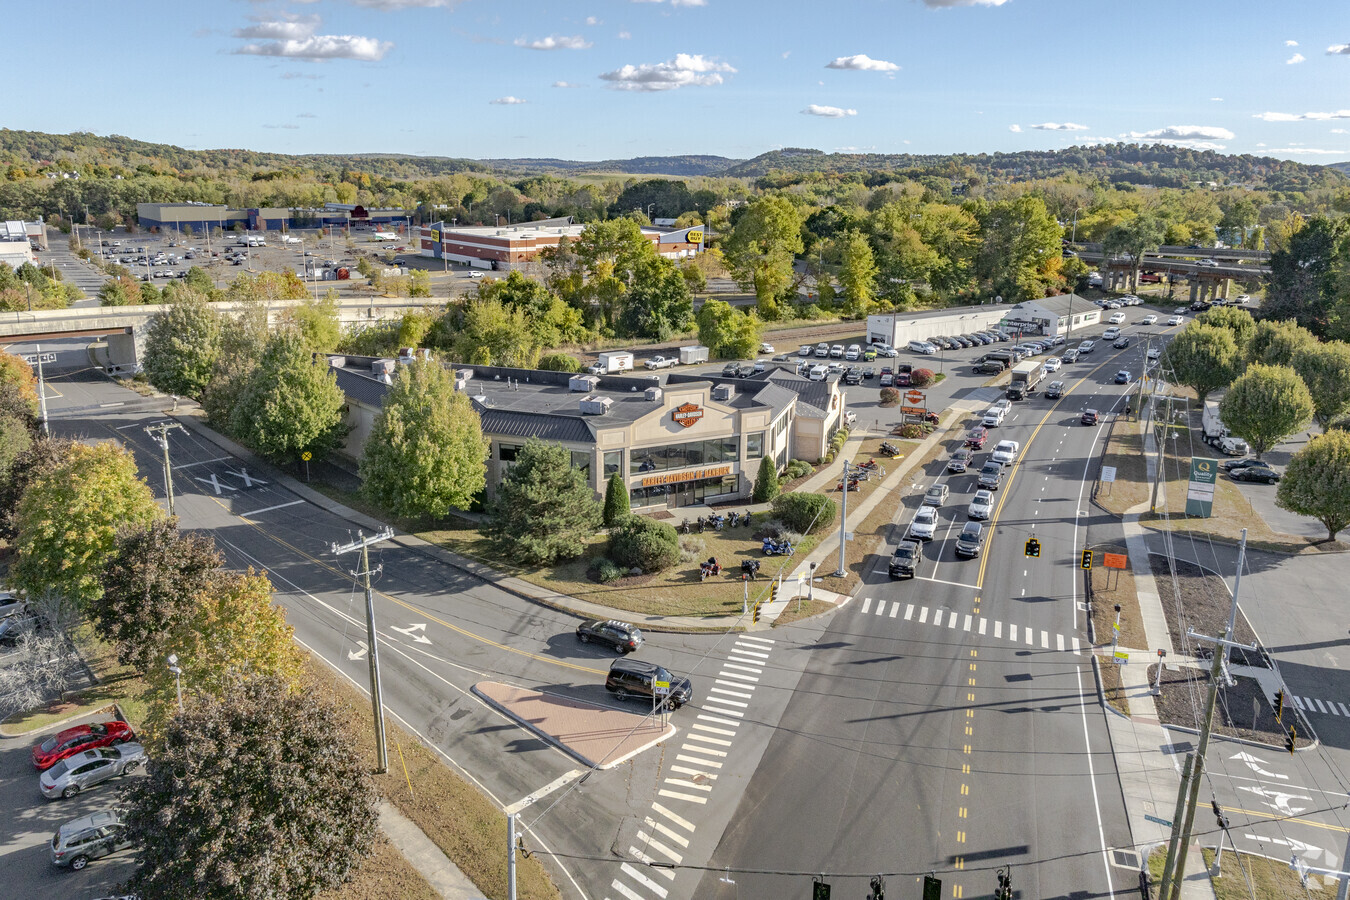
<point>635,678</point>
<point>853,376</point>
<point>991,476</point>
<point>905,559</point>
<point>621,636</point>
<point>971,540</point>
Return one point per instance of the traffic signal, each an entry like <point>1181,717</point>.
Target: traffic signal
<point>932,887</point>
<point>1087,560</point>
<point>1290,738</point>
<point>1004,889</point>
<point>820,891</point>
<point>1218,814</point>
<point>754,617</point>
<point>1033,547</point>
<point>1279,705</point>
<point>878,888</point>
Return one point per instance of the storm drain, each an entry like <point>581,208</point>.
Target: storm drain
<point>1125,859</point>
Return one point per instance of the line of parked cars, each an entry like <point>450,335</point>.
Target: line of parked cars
<point>959,341</point>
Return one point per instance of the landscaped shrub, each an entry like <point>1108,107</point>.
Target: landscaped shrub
<point>559,362</point>
<point>691,548</point>
<point>890,396</point>
<point>606,571</point>
<point>911,431</point>
<point>644,543</point>
<point>766,482</point>
<point>921,377</point>
<point>797,468</point>
<point>804,513</point>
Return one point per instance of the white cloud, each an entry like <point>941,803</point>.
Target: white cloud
<point>291,28</point>
<point>1016,129</point>
<point>786,54</point>
<point>1291,43</point>
<point>1184,133</point>
<point>675,2</point>
<point>1060,126</point>
<point>685,70</point>
<point>1216,99</point>
<point>288,127</point>
<point>307,75</point>
<point>1311,151</point>
<point>566,84</point>
<point>556,42</point>
<point>862,63</point>
<point>625,35</point>
<point>592,20</point>
<point>1338,50</point>
<point>946,4</point>
<point>1302,117</point>
<point>393,5</point>
<point>829,112</point>
<point>306,116</point>
<point>322,46</point>
<point>1339,131</point>
<point>507,101</point>
<point>1295,59</point>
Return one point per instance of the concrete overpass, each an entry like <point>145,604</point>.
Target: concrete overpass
<point>1214,253</point>
<point>124,326</point>
<point>1207,282</point>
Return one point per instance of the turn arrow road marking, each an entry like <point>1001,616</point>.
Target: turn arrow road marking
<point>358,654</point>
<point>1254,763</point>
<point>408,632</point>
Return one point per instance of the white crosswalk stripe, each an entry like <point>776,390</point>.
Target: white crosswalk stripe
<point>881,607</point>
<point>909,611</point>
<point>970,622</point>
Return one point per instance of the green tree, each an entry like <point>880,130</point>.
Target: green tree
<point>419,283</point>
<point>317,322</point>
<point>857,273</point>
<point>544,509</point>
<point>231,812</point>
<point>291,403</point>
<point>617,507</point>
<point>1202,357</point>
<point>16,439</point>
<point>150,583</point>
<point>727,332</point>
<point>760,251</point>
<point>242,340</point>
<point>426,453</point>
<point>494,335</point>
<point>766,482</point>
<point>1317,482</point>
<point>1266,405</point>
<point>1132,240</point>
<point>1238,321</point>
<point>44,455</point>
<point>1275,343</point>
<point>1325,369</point>
<point>69,515</point>
<point>804,513</point>
<point>182,346</point>
<point>658,305</point>
<point>559,362</point>
<point>1306,277</point>
<point>17,376</point>
<point>644,543</point>
<point>1019,255</point>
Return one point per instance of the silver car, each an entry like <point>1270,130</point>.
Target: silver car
<point>86,838</point>
<point>84,770</point>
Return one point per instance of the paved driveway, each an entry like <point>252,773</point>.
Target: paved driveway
<point>28,821</point>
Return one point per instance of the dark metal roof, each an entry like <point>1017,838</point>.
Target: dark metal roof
<point>545,426</point>
<point>363,388</point>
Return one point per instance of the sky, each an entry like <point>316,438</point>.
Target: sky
<point>613,79</point>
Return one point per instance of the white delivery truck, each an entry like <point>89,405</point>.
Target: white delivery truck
<point>613,362</point>
<point>695,354</point>
<point>1217,434</point>
<point>1025,376</point>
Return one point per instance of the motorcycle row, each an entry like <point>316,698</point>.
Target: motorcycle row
<point>716,522</point>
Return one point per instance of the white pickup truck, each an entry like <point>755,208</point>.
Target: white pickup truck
<point>661,362</point>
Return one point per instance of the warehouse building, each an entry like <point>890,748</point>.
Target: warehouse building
<point>1048,316</point>
<point>202,217</point>
<point>499,247</point>
<point>692,441</point>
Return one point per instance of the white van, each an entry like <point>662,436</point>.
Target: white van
<point>818,373</point>
<point>922,347</point>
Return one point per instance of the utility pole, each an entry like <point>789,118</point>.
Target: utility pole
<point>362,543</point>
<point>1175,866</point>
<point>1162,453</point>
<point>160,434</point>
<point>42,393</point>
<point>843,520</point>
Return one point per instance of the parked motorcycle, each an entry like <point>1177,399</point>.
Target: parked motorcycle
<point>708,568</point>
<point>750,568</point>
<point>771,547</point>
<point>868,466</point>
<point>685,527</point>
<point>852,485</point>
<point>733,520</point>
<point>890,449</point>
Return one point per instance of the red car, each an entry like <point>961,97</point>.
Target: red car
<point>976,436</point>
<point>77,740</point>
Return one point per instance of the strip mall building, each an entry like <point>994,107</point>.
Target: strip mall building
<point>694,439</point>
<point>503,246</point>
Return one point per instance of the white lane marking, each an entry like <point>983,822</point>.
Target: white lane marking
<point>1031,636</point>
<point>744,687</point>
<point>1045,641</point>
<point>1343,709</point>
<point>675,795</point>
<point>1297,701</point>
<point>623,889</point>
<point>998,629</point>
<point>973,587</point>
<point>1320,708</point>
<point>1024,573</point>
<point>730,693</point>
<point>867,603</point>
<point>667,874</point>
<point>909,611</point>
<point>983,623</point>
<point>721,712</point>
<point>201,462</point>
<point>544,791</point>
<point>643,879</point>
<point>951,622</point>
<point>695,748</point>
<point>739,703</point>
<point>1331,708</point>
<point>683,823</point>
<point>966,627</point>
<point>709,740</point>
<point>881,607</point>
<point>698,760</point>
<point>738,676</point>
<point>1012,632</point>
<point>1059,642</point>
<point>710,730</point>
<point>258,512</point>
<point>895,608</point>
<point>923,615</point>
<point>666,831</point>
<point>732,657</point>
<point>769,642</point>
<point>693,786</point>
<point>1075,646</point>
<point>747,652</point>
<point>754,669</point>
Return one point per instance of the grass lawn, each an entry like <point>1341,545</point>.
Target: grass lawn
<point>117,684</point>
<point>1111,587</point>
<point>1270,877</point>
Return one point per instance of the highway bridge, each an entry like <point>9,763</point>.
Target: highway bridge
<point>1208,281</point>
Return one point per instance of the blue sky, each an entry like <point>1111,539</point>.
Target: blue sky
<point>597,79</point>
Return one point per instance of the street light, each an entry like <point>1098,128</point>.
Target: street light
<point>177,679</point>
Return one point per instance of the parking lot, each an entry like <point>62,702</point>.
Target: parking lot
<point>28,822</point>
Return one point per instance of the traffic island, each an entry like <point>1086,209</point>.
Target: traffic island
<point>597,736</point>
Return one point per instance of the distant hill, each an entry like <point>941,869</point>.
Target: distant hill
<point>685,166</point>
<point>1342,167</point>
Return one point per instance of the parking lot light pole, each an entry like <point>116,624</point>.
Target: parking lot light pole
<point>177,679</point>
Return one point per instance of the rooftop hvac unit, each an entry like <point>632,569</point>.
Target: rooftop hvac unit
<point>337,362</point>
<point>583,383</point>
<point>723,392</point>
<point>463,374</point>
<point>594,405</point>
<point>653,394</point>
<point>381,367</point>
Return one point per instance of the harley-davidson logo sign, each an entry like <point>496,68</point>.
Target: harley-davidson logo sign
<point>688,414</point>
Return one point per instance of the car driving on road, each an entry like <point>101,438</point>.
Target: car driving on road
<point>905,559</point>
<point>1149,319</point>
<point>618,636</point>
<point>936,495</point>
<point>991,476</point>
<point>1005,452</point>
<point>1054,390</point>
<point>981,506</point>
<point>960,460</point>
<point>1123,376</point>
<point>1090,417</point>
<point>923,525</point>
<point>639,679</point>
<point>971,540</point>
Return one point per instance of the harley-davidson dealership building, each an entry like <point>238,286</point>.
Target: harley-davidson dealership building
<point>694,439</point>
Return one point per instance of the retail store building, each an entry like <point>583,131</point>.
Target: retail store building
<point>500,247</point>
<point>1048,316</point>
<point>692,440</point>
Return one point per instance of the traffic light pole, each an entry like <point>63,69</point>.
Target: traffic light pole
<point>363,543</point>
<point>843,520</point>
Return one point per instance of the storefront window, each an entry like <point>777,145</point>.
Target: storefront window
<point>507,452</point>
<point>613,462</point>
<point>679,456</point>
<point>582,461</point>
<point>754,445</point>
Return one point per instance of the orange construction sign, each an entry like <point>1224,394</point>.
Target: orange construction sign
<point>1114,560</point>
